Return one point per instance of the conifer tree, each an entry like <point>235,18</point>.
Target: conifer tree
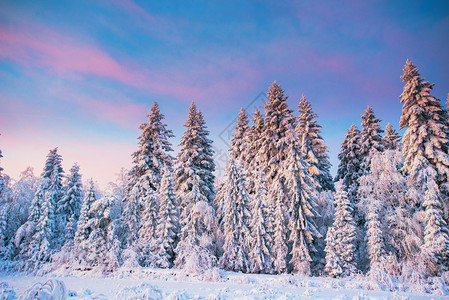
<point>196,250</point>
<point>302,191</point>
<point>84,223</point>
<point>235,220</point>
<point>153,151</point>
<point>254,138</point>
<point>260,225</point>
<point>194,162</point>
<point>425,140</point>
<point>238,150</point>
<point>70,205</point>
<point>340,240</point>
<point>436,234</point>
<point>374,236</point>
<point>349,169</point>
<point>313,149</point>
<point>280,240</point>
<point>370,139</point>
<point>392,140</point>
<point>167,228</point>
<point>145,176</point>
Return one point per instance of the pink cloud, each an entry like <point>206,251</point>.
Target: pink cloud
<point>34,45</point>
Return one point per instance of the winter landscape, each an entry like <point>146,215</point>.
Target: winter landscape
<point>273,215</point>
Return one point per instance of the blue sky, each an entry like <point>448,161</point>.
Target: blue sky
<point>82,75</point>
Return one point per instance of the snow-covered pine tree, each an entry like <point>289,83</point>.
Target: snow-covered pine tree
<point>100,249</point>
<point>153,151</point>
<point>392,139</point>
<point>42,224</point>
<point>253,143</point>
<point>205,159</point>
<point>261,228</point>
<point>145,175</point>
<point>239,147</point>
<point>436,234</point>
<point>302,191</point>
<point>370,139</point>
<point>235,221</point>
<point>194,162</point>
<point>340,240</point>
<point>280,232</point>
<point>350,163</point>
<point>167,229</point>
<point>313,149</point>
<point>196,250</point>
<point>387,185</point>
<point>4,209</point>
<point>84,226</point>
<point>254,139</point>
<point>374,236</point>
<point>70,205</point>
<point>425,140</point>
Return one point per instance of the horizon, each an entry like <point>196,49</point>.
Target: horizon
<point>82,76</point>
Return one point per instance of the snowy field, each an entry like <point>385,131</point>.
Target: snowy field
<point>175,284</point>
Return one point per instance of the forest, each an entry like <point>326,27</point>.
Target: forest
<point>276,210</point>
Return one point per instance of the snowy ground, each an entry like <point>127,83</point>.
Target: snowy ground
<point>174,284</point>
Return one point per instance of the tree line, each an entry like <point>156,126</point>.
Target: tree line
<point>276,210</point>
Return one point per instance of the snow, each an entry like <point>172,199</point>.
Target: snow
<point>147,283</point>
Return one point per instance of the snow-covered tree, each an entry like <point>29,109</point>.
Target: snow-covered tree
<point>39,237</point>
<point>70,205</point>
<point>235,220</point>
<point>374,236</point>
<point>254,138</point>
<point>280,232</point>
<point>239,147</point>
<point>84,226</point>
<point>370,139</point>
<point>167,229</point>
<point>349,169</point>
<point>302,191</point>
<point>386,186</point>
<point>101,248</point>
<point>194,162</point>
<point>425,140</point>
<point>153,151</point>
<point>313,149</point>
<point>392,139</point>
<point>340,240</point>
<point>196,250</point>
<point>436,234</point>
<point>261,227</point>
<point>146,173</point>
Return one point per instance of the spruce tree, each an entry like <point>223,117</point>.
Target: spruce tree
<point>47,235</point>
<point>392,139</point>
<point>254,138</point>
<point>436,234</point>
<point>370,139</point>
<point>167,229</point>
<point>260,224</point>
<point>239,147</point>
<point>349,169</point>
<point>340,240</point>
<point>374,236</point>
<point>313,149</point>
<point>145,176</point>
<point>425,140</point>
<point>194,162</point>
<point>196,250</point>
<point>153,151</point>
<point>302,191</point>
<point>235,220</point>
<point>84,227</point>
<point>70,205</point>
<point>280,232</point>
